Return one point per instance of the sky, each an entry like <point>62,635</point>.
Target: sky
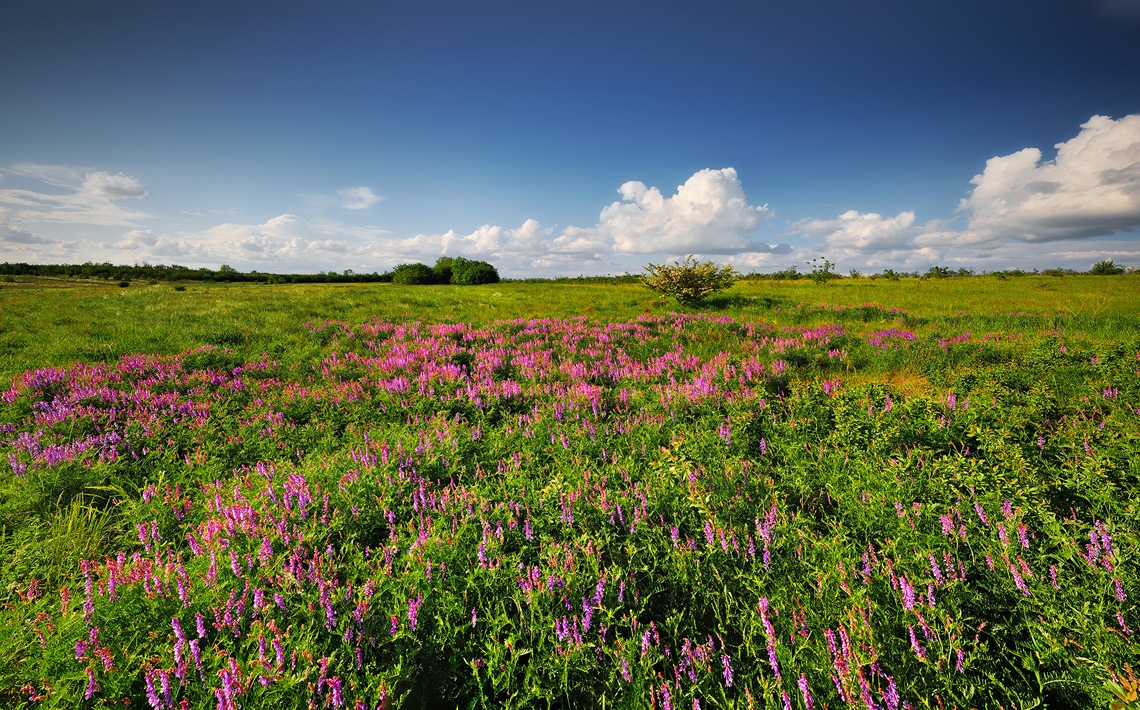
<point>565,139</point>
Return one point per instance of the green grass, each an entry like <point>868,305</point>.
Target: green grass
<point>348,452</point>
<point>56,321</point>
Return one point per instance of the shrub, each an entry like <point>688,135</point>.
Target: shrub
<point>124,284</point>
<point>822,273</point>
<point>468,272</point>
<point>1106,268</point>
<point>413,275</point>
<point>688,281</point>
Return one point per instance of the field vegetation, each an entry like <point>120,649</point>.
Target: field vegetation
<point>800,493</point>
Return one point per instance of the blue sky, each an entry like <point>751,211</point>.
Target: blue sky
<point>571,138</point>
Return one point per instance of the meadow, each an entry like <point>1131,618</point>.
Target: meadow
<point>873,494</point>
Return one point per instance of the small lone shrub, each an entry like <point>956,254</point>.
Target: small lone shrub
<point>689,282</point>
<point>124,284</point>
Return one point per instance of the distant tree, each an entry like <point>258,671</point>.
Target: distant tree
<point>468,272</point>
<point>788,274</point>
<point>689,281</point>
<point>938,272</point>
<point>413,275</point>
<point>1106,268</point>
<point>442,269</point>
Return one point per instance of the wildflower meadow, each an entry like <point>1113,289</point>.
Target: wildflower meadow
<point>840,506</point>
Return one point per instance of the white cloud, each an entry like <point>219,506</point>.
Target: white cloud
<point>101,185</point>
<point>861,232</point>
<point>19,243</point>
<point>1089,191</point>
<point>357,198</point>
<point>708,213</point>
<point>1091,188</point>
<point>143,244</point>
<point>73,196</point>
<point>12,233</point>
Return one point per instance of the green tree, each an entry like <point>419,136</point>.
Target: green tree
<point>689,281</point>
<point>413,275</point>
<point>468,272</point>
<point>442,269</point>
<point>1106,268</point>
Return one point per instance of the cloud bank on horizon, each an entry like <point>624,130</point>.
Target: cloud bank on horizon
<point>1023,210</point>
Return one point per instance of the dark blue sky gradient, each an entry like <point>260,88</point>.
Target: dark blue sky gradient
<point>461,114</point>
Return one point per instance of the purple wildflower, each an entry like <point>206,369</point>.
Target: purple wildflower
<point>809,701</point>
<point>92,684</point>
<point>724,660</point>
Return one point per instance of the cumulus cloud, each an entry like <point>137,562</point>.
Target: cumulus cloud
<point>357,198</point>
<point>861,232</point>
<point>101,185</point>
<point>144,244</point>
<point>1090,189</point>
<point>708,213</point>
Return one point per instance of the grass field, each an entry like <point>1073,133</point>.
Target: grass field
<point>889,494</point>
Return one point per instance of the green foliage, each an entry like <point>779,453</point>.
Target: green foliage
<point>413,275</point>
<point>469,272</point>
<point>689,282</point>
<point>442,269</point>
<point>822,272</point>
<point>788,274</point>
<point>1106,268</point>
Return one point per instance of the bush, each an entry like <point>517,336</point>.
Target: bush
<point>689,282</point>
<point>1106,268</point>
<point>413,275</point>
<point>822,273</point>
<point>467,272</point>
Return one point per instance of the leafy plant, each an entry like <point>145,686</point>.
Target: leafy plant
<point>689,281</point>
<point>1106,268</point>
<point>822,272</point>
